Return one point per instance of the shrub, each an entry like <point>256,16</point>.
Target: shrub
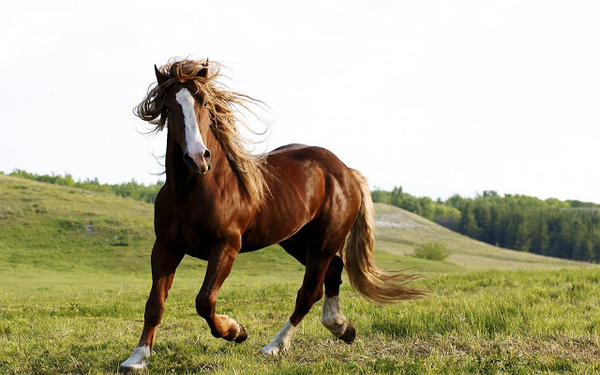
<point>431,251</point>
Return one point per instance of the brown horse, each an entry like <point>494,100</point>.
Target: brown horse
<point>219,200</point>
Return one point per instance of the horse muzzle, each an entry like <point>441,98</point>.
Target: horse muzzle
<point>199,163</point>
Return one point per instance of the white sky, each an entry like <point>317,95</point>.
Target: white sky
<point>440,97</point>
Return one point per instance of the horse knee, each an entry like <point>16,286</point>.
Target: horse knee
<point>205,305</point>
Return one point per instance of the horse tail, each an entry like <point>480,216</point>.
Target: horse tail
<point>374,284</point>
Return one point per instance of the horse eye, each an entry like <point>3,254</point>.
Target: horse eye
<point>205,104</point>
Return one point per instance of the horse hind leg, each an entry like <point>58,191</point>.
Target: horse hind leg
<point>310,292</point>
<point>317,261</point>
<point>333,319</point>
<point>297,247</point>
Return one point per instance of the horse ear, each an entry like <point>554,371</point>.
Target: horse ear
<point>160,76</point>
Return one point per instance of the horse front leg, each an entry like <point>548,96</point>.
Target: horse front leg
<point>220,263</point>
<point>164,264</point>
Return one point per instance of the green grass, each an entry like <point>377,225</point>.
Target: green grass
<point>483,322</point>
<point>72,299</point>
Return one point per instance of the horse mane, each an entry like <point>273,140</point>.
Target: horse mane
<point>225,107</point>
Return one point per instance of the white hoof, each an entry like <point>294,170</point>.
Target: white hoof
<point>272,349</point>
<point>137,361</point>
<point>281,342</point>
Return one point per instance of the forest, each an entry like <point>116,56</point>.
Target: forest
<point>564,229</point>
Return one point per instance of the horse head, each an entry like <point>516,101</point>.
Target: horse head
<point>201,113</point>
<point>186,108</point>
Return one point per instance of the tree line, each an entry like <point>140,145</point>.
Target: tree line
<point>132,189</point>
<point>441,212</point>
<point>565,229</point>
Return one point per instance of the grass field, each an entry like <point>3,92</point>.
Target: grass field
<point>74,277</point>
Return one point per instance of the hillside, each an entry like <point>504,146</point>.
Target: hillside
<point>399,232</point>
<point>54,227</point>
<point>62,228</point>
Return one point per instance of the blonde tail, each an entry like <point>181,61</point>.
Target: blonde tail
<point>375,284</point>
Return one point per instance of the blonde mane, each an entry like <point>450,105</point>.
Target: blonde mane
<point>225,110</point>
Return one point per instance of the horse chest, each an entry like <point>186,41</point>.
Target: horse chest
<point>201,232</point>
<point>198,236</point>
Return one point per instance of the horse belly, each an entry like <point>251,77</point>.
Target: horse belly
<point>280,219</point>
<point>270,232</point>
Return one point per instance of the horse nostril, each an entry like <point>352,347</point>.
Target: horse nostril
<point>206,154</point>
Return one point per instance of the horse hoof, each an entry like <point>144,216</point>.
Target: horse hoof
<point>129,370</point>
<point>132,368</point>
<point>349,334</point>
<point>273,349</point>
<point>137,361</point>
<point>242,335</point>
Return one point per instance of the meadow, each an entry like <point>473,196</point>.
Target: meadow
<point>74,277</point>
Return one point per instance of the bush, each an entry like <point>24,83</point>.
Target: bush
<point>431,251</point>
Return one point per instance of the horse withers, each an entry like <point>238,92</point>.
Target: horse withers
<point>219,200</point>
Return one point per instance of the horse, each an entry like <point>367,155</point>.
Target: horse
<point>219,200</point>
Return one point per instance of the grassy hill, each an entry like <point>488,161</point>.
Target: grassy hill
<point>399,232</point>
<point>58,228</point>
<point>74,277</point>
<point>61,228</point>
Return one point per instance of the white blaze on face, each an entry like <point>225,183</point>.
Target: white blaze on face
<point>194,143</point>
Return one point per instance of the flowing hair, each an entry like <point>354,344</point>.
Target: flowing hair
<point>225,107</point>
